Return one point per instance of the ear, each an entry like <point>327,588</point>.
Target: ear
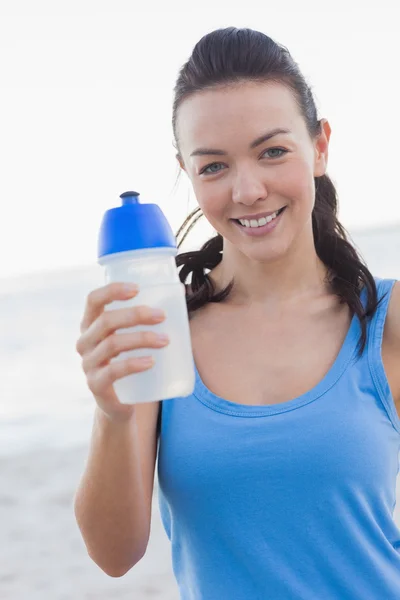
<point>321,149</point>
<point>180,161</point>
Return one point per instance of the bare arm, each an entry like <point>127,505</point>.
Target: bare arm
<point>113,500</point>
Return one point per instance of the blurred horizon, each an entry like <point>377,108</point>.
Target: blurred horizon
<point>73,269</point>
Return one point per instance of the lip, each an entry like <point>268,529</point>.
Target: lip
<point>257,216</point>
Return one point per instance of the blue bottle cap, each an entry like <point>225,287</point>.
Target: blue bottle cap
<point>134,226</point>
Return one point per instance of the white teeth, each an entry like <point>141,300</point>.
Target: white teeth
<point>257,222</point>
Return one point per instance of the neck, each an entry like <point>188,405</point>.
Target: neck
<point>297,276</point>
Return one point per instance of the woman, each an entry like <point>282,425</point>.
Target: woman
<point>277,476</point>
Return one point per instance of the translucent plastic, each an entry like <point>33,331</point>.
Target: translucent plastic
<point>172,375</point>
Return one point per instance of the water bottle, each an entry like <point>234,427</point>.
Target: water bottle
<point>136,245</point>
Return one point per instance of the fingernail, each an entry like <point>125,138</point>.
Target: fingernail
<point>162,337</point>
<point>158,313</point>
<point>131,288</point>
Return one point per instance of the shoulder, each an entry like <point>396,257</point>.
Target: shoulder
<point>391,344</point>
<point>393,320</point>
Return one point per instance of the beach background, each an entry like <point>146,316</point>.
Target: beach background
<point>86,92</point>
<point>46,416</point>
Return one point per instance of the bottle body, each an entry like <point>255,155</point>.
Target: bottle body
<point>155,271</point>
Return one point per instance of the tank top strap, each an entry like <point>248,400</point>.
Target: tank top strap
<point>375,337</point>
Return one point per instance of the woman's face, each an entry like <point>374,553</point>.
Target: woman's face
<point>237,173</point>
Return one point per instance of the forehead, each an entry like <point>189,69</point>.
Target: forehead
<point>245,109</point>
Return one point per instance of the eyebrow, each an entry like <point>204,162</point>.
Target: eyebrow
<point>260,140</point>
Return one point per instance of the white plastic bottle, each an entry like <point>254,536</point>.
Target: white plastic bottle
<point>137,245</point>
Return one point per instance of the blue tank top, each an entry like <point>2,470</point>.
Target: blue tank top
<point>291,501</point>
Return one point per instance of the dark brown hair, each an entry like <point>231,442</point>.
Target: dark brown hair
<point>231,55</point>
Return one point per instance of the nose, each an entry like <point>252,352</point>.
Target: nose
<point>248,187</point>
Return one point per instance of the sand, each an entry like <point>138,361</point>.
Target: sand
<point>42,554</point>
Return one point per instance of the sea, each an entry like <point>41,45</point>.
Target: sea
<point>44,400</point>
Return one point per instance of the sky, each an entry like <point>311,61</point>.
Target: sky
<point>86,91</point>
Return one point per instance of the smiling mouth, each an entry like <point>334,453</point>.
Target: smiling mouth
<point>268,219</point>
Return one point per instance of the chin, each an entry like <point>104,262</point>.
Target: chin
<point>261,251</point>
<point>264,255</point>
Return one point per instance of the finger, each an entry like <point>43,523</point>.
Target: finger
<point>117,343</point>
<point>101,379</point>
<point>109,321</point>
<point>97,299</point>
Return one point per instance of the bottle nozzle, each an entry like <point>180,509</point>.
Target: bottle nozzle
<point>130,198</point>
<point>133,226</point>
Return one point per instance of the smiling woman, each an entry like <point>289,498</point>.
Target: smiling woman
<point>289,445</point>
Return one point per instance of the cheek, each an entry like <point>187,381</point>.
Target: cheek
<point>213,198</point>
<point>298,183</point>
